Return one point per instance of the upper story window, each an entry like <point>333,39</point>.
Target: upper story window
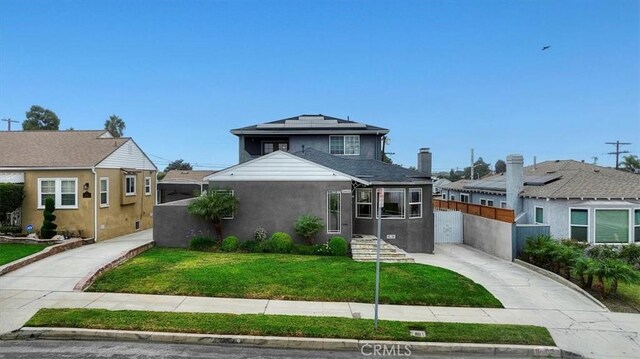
<point>344,145</point>
<point>63,190</point>
<point>130,185</point>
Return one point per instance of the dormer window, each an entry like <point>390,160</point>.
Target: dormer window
<point>344,145</point>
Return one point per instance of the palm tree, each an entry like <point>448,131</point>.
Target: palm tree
<point>215,205</point>
<point>115,125</point>
<point>631,163</point>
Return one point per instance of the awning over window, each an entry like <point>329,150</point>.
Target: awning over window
<point>11,177</point>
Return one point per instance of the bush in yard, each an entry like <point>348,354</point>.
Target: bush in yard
<point>11,196</point>
<point>581,268</point>
<point>279,242</point>
<point>202,243</point>
<point>251,246</point>
<point>230,244</point>
<point>304,249</point>
<point>537,250</point>
<point>308,226</point>
<point>323,249</point>
<point>602,252</point>
<point>631,254</point>
<point>48,229</point>
<point>609,273</point>
<point>260,235</point>
<point>338,245</point>
<point>563,258</point>
<point>214,206</point>
<point>10,229</point>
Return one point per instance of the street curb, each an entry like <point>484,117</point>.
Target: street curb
<point>560,280</point>
<point>363,346</point>
<point>85,282</point>
<point>47,252</point>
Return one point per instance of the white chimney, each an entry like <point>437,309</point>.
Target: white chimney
<point>515,182</point>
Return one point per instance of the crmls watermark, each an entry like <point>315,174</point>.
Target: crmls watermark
<point>396,350</point>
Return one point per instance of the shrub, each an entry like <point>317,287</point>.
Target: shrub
<point>537,250</point>
<point>609,273</point>
<point>251,246</point>
<point>581,268</point>
<point>11,197</point>
<point>574,244</point>
<point>279,242</point>
<point>260,235</point>
<point>304,249</point>
<point>214,206</point>
<point>324,249</point>
<point>602,252</point>
<point>202,243</point>
<point>308,226</point>
<point>338,246</point>
<point>230,244</point>
<point>48,229</point>
<point>10,229</point>
<point>630,254</point>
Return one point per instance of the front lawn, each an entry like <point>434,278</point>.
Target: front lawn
<point>294,277</point>
<point>10,252</point>
<point>286,325</point>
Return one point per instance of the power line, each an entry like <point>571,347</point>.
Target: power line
<point>618,152</point>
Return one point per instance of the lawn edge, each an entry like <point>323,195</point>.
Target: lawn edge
<point>53,333</point>
<point>44,253</point>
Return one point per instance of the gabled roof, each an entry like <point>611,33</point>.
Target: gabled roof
<point>373,171</point>
<point>72,149</point>
<point>310,124</point>
<point>561,180</point>
<point>188,177</point>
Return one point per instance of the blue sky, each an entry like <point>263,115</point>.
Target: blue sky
<point>449,75</point>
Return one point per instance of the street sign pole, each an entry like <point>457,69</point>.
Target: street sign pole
<point>380,193</point>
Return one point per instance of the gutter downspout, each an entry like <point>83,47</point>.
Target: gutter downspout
<point>95,204</point>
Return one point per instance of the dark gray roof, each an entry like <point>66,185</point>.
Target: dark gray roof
<point>317,124</point>
<point>371,171</point>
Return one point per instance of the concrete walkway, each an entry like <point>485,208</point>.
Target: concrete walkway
<point>577,325</point>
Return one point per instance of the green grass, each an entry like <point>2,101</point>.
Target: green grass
<point>10,252</point>
<point>293,277</point>
<point>630,293</point>
<point>285,325</point>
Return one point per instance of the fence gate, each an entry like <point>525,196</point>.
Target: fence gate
<point>447,226</point>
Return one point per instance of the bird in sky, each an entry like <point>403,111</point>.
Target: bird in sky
<point>546,47</point>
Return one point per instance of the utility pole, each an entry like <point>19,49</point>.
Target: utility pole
<point>618,152</point>
<point>472,163</point>
<point>595,160</point>
<point>8,121</point>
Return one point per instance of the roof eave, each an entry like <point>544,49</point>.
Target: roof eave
<point>313,131</point>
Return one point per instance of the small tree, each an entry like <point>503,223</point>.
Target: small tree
<point>178,165</point>
<point>501,166</point>
<point>11,196</point>
<point>308,226</point>
<point>48,229</point>
<point>214,206</point>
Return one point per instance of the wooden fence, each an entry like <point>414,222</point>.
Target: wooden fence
<point>499,214</point>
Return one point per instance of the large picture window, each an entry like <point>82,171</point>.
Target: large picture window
<point>415,203</point>
<point>344,145</point>
<point>394,203</point>
<point>363,203</point>
<point>333,212</point>
<point>64,192</point>
<point>580,224</point>
<point>612,226</point>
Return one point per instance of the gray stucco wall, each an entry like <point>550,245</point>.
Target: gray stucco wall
<point>411,234</point>
<point>275,206</point>
<point>488,235</point>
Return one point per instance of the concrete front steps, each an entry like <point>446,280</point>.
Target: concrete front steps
<point>364,250</point>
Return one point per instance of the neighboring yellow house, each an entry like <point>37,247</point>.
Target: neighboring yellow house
<point>103,186</point>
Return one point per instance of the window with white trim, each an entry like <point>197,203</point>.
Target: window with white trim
<point>483,201</point>
<point>579,223</point>
<point>334,212</point>
<point>64,192</point>
<point>130,185</point>
<point>363,203</point>
<point>452,197</point>
<point>147,186</point>
<point>394,203</point>
<point>415,203</point>
<point>104,191</point>
<point>490,203</point>
<point>612,226</point>
<point>444,196</point>
<point>464,197</point>
<point>539,215</point>
<point>503,204</point>
<point>344,145</point>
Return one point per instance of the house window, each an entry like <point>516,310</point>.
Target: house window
<point>64,192</point>
<point>612,226</point>
<point>129,185</point>
<point>503,204</point>
<point>363,203</point>
<point>539,215</point>
<point>344,145</point>
<point>444,196</point>
<point>452,197</point>
<point>464,197</point>
<point>104,192</point>
<point>415,203</point>
<point>490,202</point>
<point>637,225</point>
<point>580,224</point>
<point>483,201</point>
<point>147,186</point>
<point>394,200</point>
<point>333,212</point>
<point>231,193</point>
<point>268,147</point>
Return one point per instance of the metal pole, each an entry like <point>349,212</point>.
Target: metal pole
<point>380,204</point>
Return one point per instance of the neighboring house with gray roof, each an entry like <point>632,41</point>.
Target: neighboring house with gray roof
<point>180,184</point>
<point>102,186</point>
<point>577,200</point>
<point>324,133</point>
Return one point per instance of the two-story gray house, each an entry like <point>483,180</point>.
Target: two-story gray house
<point>326,134</point>
<point>324,166</point>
